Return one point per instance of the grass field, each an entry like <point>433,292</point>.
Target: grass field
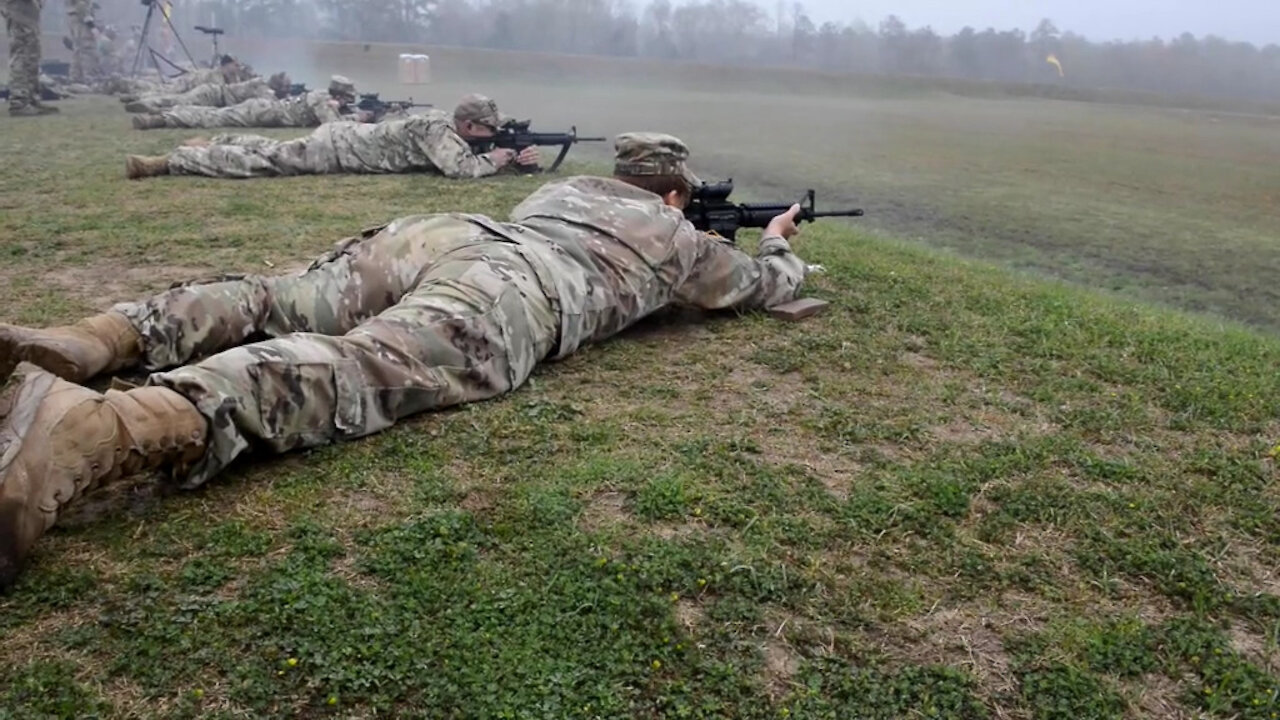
<point>1175,206</point>
<point>963,492</point>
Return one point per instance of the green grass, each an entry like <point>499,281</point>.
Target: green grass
<point>959,493</point>
<point>1167,204</point>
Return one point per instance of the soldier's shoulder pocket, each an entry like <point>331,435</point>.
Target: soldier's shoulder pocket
<point>346,245</point>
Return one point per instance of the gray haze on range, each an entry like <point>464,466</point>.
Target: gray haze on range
<point>1256,21</point>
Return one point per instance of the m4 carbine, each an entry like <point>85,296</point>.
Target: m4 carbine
<point>515,135</point>
<point>294,90</point>
<point>370,102</point>
<point>710,210</point>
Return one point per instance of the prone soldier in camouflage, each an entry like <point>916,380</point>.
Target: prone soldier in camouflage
<point>22,21</point>
<point>131,89</point>
<point>311,109</point>
<point>426,312</point>
<point>229,70</point>
<point>430,142</point>
<point>212,95</point>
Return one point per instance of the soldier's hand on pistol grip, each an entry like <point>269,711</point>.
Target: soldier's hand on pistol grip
<point>529,156</point>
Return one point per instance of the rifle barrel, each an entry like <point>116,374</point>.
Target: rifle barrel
<point>838,213</point>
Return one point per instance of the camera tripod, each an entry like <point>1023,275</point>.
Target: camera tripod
<point>155,55</point>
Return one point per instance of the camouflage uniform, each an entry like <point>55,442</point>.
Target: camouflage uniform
<point>157,85</point>
<point>217,95</point>
<point>432,311</point>
<point>419,143</point>
<point>309,110</point>
<point>83,59</point>
<point>110,60</point>
<point>22,19</point>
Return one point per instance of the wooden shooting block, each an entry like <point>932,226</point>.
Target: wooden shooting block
<point>798,309</point>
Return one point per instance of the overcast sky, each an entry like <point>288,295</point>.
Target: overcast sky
<point>1256,21</point>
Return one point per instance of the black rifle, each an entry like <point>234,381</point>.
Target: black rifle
<point>294,90</point>
<point>370,102</point>
<point>711,211</point>
<point>515,136</point>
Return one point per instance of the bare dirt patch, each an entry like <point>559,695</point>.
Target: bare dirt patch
<point>677,531</point>
<point>689,614</point>
<point>29,642</point>
<point>605,510</point>
<point>782,633</point>
<point>751,386</point>
<point>1249,566</point>
<point>345,568</point>
<point>1156,696</point>
<point>130,700</point>
<point>781,663</point>
<point>838,483</point>
<point>365,503</point>
<point>968,637</point>
<point>479,500</point>
<point>963,432</point>
<point>1255,647</point>
<point>128,497</point>
<point>918,361</point>
<point>110,282</point>
<point>382,496</point>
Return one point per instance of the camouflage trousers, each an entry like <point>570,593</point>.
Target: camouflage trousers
<point>208,95</point>
<point>255,112</point>
<point>83,65</point>
<point>431,311</point>
<point>22,20</point>
<point>202,96</point>
<point>247,156</point>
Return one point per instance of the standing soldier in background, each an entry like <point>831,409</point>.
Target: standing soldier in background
<point>110,60</point>
<point>83,49</point>
<point>22,20</point>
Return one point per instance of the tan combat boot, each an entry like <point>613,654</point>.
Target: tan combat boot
<point>58,440</point>
<point>103,343</point>
<point>140,166</point>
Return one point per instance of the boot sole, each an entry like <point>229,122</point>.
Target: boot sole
<point>19,404</point>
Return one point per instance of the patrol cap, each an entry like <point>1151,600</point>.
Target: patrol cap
<point>650,153</point>
<point>479,109</point>
<point>339,85</point>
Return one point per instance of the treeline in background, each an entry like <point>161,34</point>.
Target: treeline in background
<point>743,33</point>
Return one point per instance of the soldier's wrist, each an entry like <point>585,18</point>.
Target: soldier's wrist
<point>774,244</point>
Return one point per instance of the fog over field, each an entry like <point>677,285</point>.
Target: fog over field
<point>1255,21</point>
